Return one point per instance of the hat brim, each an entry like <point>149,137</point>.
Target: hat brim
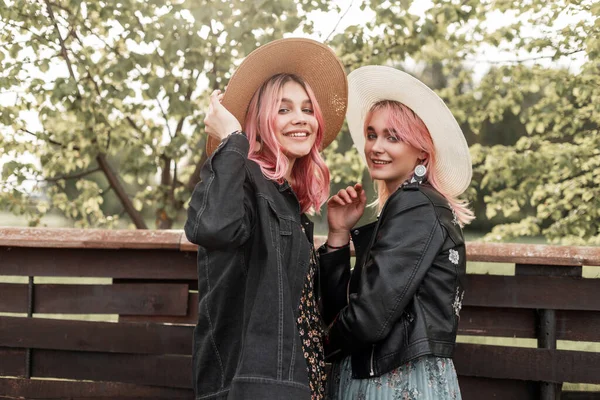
<point>370,84</point>
<point>314,62</point>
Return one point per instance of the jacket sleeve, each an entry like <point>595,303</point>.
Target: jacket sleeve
<point>334,277</point>
<point>221,211</point>
<point>408,241</point>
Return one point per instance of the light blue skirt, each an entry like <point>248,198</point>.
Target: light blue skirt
<point>425,378</point>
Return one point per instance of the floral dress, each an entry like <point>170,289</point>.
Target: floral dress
<point>312,332</point>
<point>424,378</point>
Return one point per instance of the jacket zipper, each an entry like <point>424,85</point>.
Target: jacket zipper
<point>372,372</point>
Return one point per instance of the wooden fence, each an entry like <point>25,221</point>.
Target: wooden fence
<point>142,348</point>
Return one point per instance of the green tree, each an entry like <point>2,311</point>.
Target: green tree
<point>130,105</point>
<point>543,176</point>
<point>117,91</point>
<point>553,170</point>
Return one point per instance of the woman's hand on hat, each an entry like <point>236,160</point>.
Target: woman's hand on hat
<point>344,209</point>
<point>219,122</point>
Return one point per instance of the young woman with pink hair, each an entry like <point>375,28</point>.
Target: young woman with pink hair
<point>259,330</point>
<point>393,318</point>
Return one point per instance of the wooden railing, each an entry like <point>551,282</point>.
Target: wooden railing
<point>139,343</point>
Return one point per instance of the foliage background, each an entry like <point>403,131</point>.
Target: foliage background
<point>101,103</point>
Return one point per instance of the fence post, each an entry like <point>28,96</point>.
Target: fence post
<point>30,302</point>
<point>546,335</point>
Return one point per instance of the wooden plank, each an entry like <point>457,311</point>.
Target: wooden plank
<point>533,254</point>
<point>547,270</point>
<point>473,388</point>
<point>48,389</point>
<point>109,337</point>
<point>175,239</point>
<point>157,370</point>
<point>543,365</point>
<point>558,293</point>
<point>128,263</point>
<point>89,238</point>
<point>12,362</point>
<point>142,299</point>
<point>516,253</point>
<point>191,318</point>
<point>13,297</point>
<point>578,325</point>
<point>186,245</point>
<point>506,322</point>
<point>192,283</point>
<point>580,395</point>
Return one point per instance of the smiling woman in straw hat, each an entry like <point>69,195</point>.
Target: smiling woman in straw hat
<point>393,319</point>
<point>259,332</point>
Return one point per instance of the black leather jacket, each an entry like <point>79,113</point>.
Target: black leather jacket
<point>253,257</point>
<point>403,298</point>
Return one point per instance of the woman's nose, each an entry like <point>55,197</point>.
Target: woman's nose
<point>299,118</point>
<point>377,146</point>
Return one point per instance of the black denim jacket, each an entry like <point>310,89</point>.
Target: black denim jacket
<point>402,299</point>
<point>253,255</point>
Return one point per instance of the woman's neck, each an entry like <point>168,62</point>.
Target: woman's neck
<point>288,174</point>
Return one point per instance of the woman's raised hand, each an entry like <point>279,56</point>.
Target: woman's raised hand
<point>219,121</point>
<point>344,209</point>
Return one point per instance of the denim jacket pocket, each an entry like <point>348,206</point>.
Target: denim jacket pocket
<point>285,227</point>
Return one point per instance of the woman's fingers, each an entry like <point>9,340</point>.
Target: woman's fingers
<point>344,195</point>
<point>352,192</point>
<point>214,98</point>
<point>355,192</point>
<point>335,200</point>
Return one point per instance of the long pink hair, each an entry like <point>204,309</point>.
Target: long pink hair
<point>411,129</point>
<point>310,175</point>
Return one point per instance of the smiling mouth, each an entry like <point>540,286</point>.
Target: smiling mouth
<point>296,134</point>
<point>380,162</point>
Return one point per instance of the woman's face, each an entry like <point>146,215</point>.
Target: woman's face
<point>295,124</point>
<point>389,159</point>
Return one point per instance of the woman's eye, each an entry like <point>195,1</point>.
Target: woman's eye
<point>393,138</point>
<point>371,136</point>
<point>283,110</point>
<point>307,110</point>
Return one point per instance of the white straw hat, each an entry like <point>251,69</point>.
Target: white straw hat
<point>370,84</point>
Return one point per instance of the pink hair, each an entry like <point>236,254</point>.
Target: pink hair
<point>310,174</point>
<point>411,129</point>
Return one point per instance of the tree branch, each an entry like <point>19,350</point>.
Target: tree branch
<point>113,180</point>
<point>37,35</point>
<point>162,110</point>
<point>74,176</point>
<point>51,141</point>
<point>67,10</point>
<point>522,60</point>
<point>62,43</point>
<point>134,126</point>
<point>339,20</point>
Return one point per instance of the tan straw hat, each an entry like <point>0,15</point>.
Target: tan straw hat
<point>314,62</point>
<point>370,84</point>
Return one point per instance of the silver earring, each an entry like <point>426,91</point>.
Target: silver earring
<point>419,174</point>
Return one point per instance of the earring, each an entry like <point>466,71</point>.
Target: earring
<point>419,175</point>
